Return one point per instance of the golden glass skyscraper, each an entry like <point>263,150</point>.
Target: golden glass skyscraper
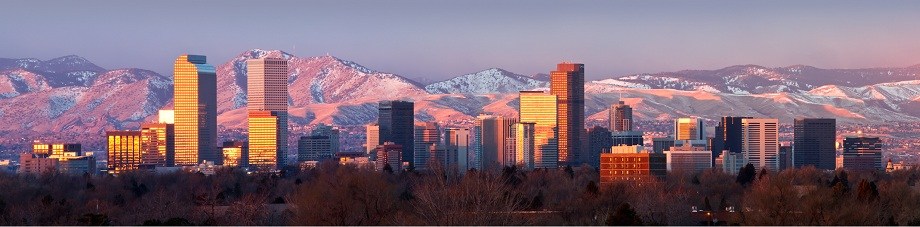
<point>267,98</point>
<point>568,84</point>
<point>540,108</point>
<point>124,151</point>
<point>688,128</point>
<point>195,96</point>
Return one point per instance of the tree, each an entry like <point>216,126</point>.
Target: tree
<point>746,174</point>
<point>624,215</point>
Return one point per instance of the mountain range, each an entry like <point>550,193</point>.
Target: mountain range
<point>70,97</point>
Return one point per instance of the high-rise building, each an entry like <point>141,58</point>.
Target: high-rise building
<point>235,154</point>
<point>541,109</point>
<point>862,153</point>
<point>458,146</point>
<point>195,97</point>
<point>158,142</point>
<point>631,165</point>
<point>814,143</point>
<point>492,136</point>
<point>332,132</point>
<point>620,117</point>
<point>372,135</point>
<point>388,154</point>
<point>688,158</point>
<point>689,128</point>
<point>627,138</point>
<point>524,145</point>
<point>727,136</point>
<point>567,83</point>
<point>267,97</point>
<point>397,125</point>
<point>600,142</point>
<point>124,151</point>
<point>427,141</point>
<point>760,142</point>
<point>314,148</point>
<point>264,136</point>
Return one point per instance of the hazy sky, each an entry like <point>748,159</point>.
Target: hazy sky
<point>440,39</point>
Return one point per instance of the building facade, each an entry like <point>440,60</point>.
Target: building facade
<point>814,143</point>
<point>314,148</point>
<point>567,83</point>
<point>760,142</point>
<point>267,98</point>
<point>540,108</point>
<point>635,167</point>
<point>264,136</point>
<point>236,154</point>
<point>427,146</point>
<point>389,154</point>
<point>620,117</point>
<point>458,146</point>
<point>688,158</point>
<point>862,153</point>
<point>524,143</point>
<point>124,151</point>
<point>397,125</point>
<point>195,100</point>
<point>689,128</point>
<point>600,142</point>
<point>493,132</point>
<point>372,137</point>
<point>158,141</point>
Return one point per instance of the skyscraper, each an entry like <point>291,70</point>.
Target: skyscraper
<point>267,96</point>
<point>689,128</point>
<point>158,144</point>
<point>264,133</point>
<point>760,142</point>
<point>332,132</point>
<point>540,108</point>
<point>388,154</point>
<point>235,154</point>
<point>372,135</point>
<point>727,136</point>
<point>600,142</point>
<point>814,143</point>
<point>397,124</point>
<point>493,134</point>
<point>314,148</point>
<point>862,153</point>
<point>124,151</point>
<point>567,83</point>
<point>620,117</point>
<point>195,98</point>
<point>524,144</point>
<point>427,141</point>
<point>458,145</point>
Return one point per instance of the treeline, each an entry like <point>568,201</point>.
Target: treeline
<point>346,195</point>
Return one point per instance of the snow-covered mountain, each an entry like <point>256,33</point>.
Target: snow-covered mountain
<point>70,98</point>
<point>322,79</point>
<point>488,81</point>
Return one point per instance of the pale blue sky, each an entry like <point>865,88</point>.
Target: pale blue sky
<point>440,39</point>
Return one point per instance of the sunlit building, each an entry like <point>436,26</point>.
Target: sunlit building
<point>760,142</point>
<point>267,98</point>
<point>689,128</point>
<point>493,132</point>
<point>47,149</point>
<point>372,133</point>
<point>632,164</point>
<point>620,117</point>
<point>427,150</point>
<point>235,154</point>
<point>567,83</point>
<point>540,108</point>
<point>124,151</point>
<point>158,144</point>
<point>525,145</point>
<point>195,97</point>
<point>458,146</point>
<point>263,141</point>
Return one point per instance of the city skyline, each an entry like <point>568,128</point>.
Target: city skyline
<point>782,33</point>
